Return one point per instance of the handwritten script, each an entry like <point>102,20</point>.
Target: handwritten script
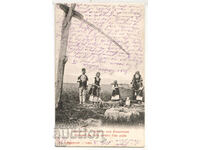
<point>88,47</point>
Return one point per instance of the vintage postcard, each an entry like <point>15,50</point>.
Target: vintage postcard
<point>99,74</point>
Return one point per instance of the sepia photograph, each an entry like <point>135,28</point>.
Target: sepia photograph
<point>100,80</point>
<point>90,74</point>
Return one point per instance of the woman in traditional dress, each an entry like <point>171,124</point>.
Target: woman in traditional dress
<point>95,89</point>
<point>137,86</point>
<point>115,92</point>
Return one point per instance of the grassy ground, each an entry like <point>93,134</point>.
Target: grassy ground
<point>70,112</point>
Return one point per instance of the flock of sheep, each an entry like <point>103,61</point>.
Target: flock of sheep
<point>121,113</point>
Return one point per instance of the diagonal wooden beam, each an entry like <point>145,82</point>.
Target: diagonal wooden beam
<point>69,13</point>
<point>76,14</point>
<point>109,37</point>
<point>79,16</point>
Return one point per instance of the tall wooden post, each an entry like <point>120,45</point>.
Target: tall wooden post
<point>62,54</point>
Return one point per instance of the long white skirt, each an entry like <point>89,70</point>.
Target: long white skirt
<point>94,98</point>
<point>115,98</point>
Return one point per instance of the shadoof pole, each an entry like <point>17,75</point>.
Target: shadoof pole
<point>69,13</point>
<point>62,53</point>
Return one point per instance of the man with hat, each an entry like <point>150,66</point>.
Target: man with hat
<point>82,79</point>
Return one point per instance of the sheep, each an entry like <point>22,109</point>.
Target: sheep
<point>123,114</point>
<point>107,113</point>
<point>111,114</point>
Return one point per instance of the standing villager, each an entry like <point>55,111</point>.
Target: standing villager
<point>82,79</point>
<point>115,92</point>
<point>95,89</point>
<point>137,86</point>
